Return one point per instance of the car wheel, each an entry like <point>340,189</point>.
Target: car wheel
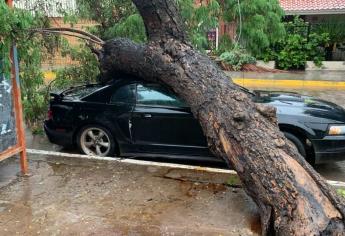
<point>297,143</point>
<point>96,140</point>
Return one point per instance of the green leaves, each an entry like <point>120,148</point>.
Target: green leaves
<point>237,58</point>
<point>14,28</point>
<point>261,21</point>
<point>341,192</point>
<point>84,71</point>
<point>115,18</point>
<point>131,27</point>
<point>298,47</point>
<point>199,20</point>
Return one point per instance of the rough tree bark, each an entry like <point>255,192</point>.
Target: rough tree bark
<point>292,198</point>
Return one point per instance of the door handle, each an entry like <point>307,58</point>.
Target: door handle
<point>147,115</point>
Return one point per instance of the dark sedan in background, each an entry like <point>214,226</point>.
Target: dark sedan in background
<point>134,118</point>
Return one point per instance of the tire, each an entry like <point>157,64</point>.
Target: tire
<point>297,143</point>
<point>96,140</point>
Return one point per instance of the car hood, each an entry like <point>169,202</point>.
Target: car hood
<point>294,104</point>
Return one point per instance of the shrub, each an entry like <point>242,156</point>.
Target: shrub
<point>298,47</point>
<point>237,58</point>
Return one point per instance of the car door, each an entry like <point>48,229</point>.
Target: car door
<point>119,112</point>
<point>162,123</point>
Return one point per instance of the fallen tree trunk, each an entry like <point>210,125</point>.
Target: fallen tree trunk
<point>293,199</point>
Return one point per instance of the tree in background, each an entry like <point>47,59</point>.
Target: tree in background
<point>115,18</point>
<point>259,22</point>
<point>119,18</point>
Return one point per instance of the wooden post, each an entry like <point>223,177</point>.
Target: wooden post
<point>21,144</point>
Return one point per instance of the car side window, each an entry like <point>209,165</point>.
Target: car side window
<point>156,95</point>
<point>124,94</point>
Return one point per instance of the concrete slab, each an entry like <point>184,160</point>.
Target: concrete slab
<point>67,196</point>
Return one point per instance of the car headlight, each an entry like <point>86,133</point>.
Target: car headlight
<point>336,130</point>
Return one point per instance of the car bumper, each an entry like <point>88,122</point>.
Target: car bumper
<point>58,136</point>
<point>329,149</point>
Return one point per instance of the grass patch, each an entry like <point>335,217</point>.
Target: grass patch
<point>341,192</point>
<point>233,181</point>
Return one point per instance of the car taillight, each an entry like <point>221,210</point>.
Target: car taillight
<point>50,114</point>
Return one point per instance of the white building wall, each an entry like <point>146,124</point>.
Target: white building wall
<point>51,8</point>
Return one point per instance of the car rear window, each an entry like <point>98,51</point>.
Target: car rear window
<point>80,92</point>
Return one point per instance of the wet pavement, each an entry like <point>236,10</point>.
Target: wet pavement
<point>71,197</point>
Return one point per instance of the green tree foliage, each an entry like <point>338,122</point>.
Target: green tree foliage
<point>85,71</point>
<point>15,28</point>
<point>115,18</point>
<point>259,22</point>
<point>334,26</point>
<point>199,20</point>
<point>293,51</point>
<point>119,18</point>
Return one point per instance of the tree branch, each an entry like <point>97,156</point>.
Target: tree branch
<point>77,31</point>
<point>46,31</point>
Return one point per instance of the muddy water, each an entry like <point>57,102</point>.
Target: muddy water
<point>73,197</point>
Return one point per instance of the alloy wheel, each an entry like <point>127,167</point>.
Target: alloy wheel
<point>95,142</point>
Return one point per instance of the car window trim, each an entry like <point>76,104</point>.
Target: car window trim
<point>161,106</point>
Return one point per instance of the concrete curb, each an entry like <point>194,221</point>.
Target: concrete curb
<point>337,184</point>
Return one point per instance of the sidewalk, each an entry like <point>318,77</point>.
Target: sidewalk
<point>65,196</point>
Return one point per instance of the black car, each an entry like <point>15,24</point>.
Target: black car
<point>134,118</point>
